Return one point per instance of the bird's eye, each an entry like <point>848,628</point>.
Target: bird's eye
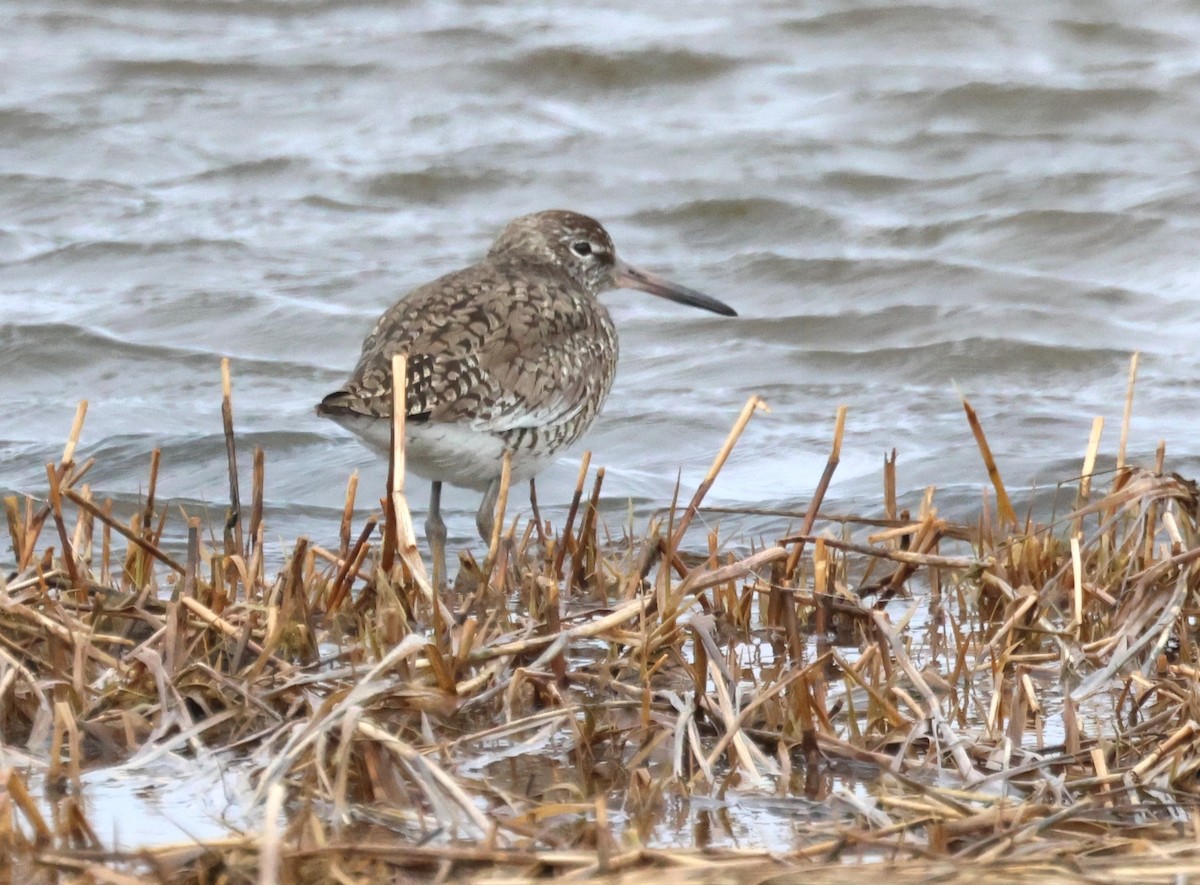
<point>582,247</point>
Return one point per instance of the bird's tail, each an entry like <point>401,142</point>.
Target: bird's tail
<point>340,402</point>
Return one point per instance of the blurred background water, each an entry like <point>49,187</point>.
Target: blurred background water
<point>903,200</point>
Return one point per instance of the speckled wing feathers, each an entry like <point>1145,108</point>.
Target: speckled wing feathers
<point>493,347</point>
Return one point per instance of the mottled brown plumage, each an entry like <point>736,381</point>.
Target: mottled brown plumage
<point>514,353</point>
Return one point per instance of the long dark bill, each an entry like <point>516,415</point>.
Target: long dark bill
<point>626,276</point>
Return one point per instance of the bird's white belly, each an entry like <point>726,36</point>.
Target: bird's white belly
<point>453,453</point>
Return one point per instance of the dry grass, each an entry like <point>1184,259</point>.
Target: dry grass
<point>1009,697</point>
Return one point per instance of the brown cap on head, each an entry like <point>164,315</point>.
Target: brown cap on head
<point>582,247</point>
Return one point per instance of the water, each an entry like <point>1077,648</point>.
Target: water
<point>903,201</point>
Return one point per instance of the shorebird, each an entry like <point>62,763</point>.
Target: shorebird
<point>515,353</point>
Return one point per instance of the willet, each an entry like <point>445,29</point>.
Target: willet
<point>515,353</point>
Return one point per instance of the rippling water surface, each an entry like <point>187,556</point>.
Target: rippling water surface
<point>903,200</point>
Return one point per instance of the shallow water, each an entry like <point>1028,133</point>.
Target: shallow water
<point>902,200</point>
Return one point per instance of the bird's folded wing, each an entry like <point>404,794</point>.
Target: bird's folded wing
<point>481,350</point>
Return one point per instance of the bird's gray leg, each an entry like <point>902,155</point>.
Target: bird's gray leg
<point>435,533</point>
<point>485,517</point>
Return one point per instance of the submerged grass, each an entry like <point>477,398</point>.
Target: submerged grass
<point>1011,697</point>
